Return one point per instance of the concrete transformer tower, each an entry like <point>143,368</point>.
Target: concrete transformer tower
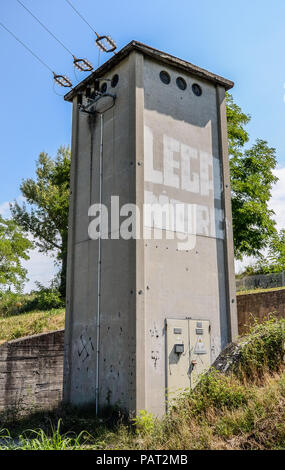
<point>146,314</point>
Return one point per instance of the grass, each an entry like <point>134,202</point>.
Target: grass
<point>257,291</point>
<point>242,410</point>
<point>30,323</point>
<point>223,415</point>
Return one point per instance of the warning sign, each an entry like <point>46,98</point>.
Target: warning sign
<point>200,347</point>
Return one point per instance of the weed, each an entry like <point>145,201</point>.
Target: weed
<point>144,422</point>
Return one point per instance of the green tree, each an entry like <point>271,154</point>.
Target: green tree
<point>274,260</point>
<point>276,255</point>
<point>46,218</point>
<point>13,249</point>
<point>252,180</point>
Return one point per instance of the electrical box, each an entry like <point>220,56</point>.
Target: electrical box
<point>188,352</point>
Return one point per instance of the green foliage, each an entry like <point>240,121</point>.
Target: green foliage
<point>217,391</point>
<point>264,349</point>
<point>237,135</point>
<point>144,422</point>
<point>276,254</point>
<point>274,261</point>
<point>43,299</point>
<point>46,298</point>
<point>13,249</point>
<point>252,179</point>
<point>46,217</point>
<point>11,303</point>
<point>39,440</point>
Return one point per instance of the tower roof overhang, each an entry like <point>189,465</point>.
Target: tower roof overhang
<point>155,54</point>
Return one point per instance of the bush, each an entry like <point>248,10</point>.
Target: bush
<point>12,303</point>
<point>263,349</point>
<point>215,390</point>
<point>45,298</point>
<point>144,422</point>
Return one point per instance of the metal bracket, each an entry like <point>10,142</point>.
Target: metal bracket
<point>91,102</point>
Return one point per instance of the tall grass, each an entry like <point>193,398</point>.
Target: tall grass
<point>39,440</point>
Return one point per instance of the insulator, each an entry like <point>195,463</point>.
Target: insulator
<point>62,80</point>
<point>109,47</point>
<point>82,64</point>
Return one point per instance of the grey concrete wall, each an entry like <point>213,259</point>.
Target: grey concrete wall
<point>31,372</point>
<point>118,269</point>
<point>190,283</point>
<point>146,281</point>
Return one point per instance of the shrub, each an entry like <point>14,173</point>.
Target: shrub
<point>45,298</point>
<point>263,349</point>
<point>216,391</point>
<point>12,303</point>
<point>144,422</point>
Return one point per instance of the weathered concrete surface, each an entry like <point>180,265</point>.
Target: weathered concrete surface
<point>144,282</point>
<point>148,51</point>
<point>31,372</point>
<point>258,306</point>
<point>118,269</point>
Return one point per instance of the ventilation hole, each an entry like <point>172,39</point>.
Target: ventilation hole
<point>180,82</point>
<point>164,77</point>
<point>114,81</point>
<point>104,87</point>
<point>197,90</point>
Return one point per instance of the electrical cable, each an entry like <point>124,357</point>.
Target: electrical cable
<point>26,47</point>
<point>43,26</point>
<point>82,64</point>
<point>61,80</point>
<point>82,17</point>
<point>105,43</point>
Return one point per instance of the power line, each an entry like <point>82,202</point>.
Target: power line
<point>61,80</point>
<point>105,43</point>
<point>43,26</point>
<point>23,44</point>
<point>82,17</point>
<point>82,64</point>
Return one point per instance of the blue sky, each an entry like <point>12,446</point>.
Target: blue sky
<point>243,41</point>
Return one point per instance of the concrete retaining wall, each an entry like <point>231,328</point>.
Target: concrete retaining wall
<point>31,371</point>
<point>259,306</point>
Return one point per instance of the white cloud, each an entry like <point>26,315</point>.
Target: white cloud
<point>40,267</point>
<point>277,202</point>
<point>5,209</point>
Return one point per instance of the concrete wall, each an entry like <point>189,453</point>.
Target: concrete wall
<point>143,282</point>
<point>188,282</point>
<point>259,306</point>
<point>117,353</point>
<point>31,372</point>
